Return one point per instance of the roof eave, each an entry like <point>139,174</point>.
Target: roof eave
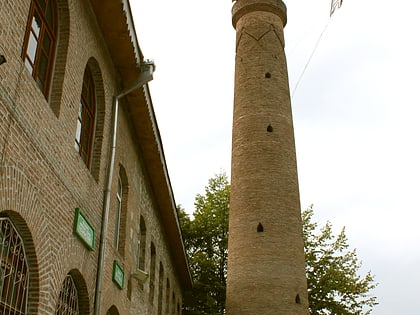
<point>120,37</point>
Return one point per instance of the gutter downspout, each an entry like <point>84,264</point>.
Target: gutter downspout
<point>147,68</point>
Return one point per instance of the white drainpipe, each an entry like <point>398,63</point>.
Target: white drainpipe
<point>147,68</point>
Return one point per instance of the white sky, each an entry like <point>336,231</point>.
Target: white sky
<point>356,114</point>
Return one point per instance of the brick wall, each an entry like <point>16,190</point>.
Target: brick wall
<point>43,179</point>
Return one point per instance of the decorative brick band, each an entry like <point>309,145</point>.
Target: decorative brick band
<point>242,7</point>
<point>259,36</point>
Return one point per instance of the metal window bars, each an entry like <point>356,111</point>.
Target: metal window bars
<point>68,301</point>
<point>14,273</point>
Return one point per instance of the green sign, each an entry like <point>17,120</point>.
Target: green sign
<point>118,275</point>
<point>84,230</point>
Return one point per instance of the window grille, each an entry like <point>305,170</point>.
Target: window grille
<point>68,301</point>
<point>14,273</point>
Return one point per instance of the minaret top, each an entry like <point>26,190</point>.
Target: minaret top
<point>242,7</point>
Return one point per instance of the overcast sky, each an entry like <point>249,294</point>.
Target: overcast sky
<point>356,118</point>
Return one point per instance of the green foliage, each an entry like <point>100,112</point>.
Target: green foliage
<point>334,285</point>
<point>206,244</point>
<point>332,269</point>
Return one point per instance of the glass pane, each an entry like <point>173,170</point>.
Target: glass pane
<point>32,46</point>
<point>40,84</point>
<point>89,92</point>
<point>92,100</point>
<point>49,15</point>
<point>42,67</point>
<point>117,223</point>
<point>84,92</point>
<point>87,124</point>
<point>78,132</point>
<point>42,4</point>
<point>85,141</point>
<point>89,99</point>
<point>36,25</point>
<point>46,43</point>
<point>28,65</point>
<point>84,156</point>
<point>119,193</point>
<point>80,111</point>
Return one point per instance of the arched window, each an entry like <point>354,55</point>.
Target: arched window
<point>112,311</point>
<point>68,301</point>
<point>173,303</point>
<point>121,211</point>
<point>40,42</point>
<point>152,272</point>
<point>86,119</point>
<point>168,290</point>
<point>14,274</point>
<point>160,296</point>
<point>118,211</point>
<point>142,245</point>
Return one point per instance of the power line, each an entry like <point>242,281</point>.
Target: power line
<point>335,4</point>
<point>310,58</point>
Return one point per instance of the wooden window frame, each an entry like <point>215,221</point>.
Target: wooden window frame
<point>160,292</point>
<point>167,297</point>
<point>86,119</point>
<point>118,213</point>
<point>152,273</point>
<point>40,53</point>
<point>142,245</point>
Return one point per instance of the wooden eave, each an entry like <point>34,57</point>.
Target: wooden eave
<point>115,20</point>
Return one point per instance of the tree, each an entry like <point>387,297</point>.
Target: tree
<point>332,270</point>
<point>205,240</point>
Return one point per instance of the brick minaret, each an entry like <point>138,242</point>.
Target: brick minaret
<point>266,271</point>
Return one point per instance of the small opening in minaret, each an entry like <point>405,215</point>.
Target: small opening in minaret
<point>269,128</point>
<point>297,299</point>
<point>260,228</point>
<point>268,75</point>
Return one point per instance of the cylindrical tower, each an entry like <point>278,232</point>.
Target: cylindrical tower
<point>266,264</point>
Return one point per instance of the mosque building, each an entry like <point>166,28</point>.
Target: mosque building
<point>88,222</point>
